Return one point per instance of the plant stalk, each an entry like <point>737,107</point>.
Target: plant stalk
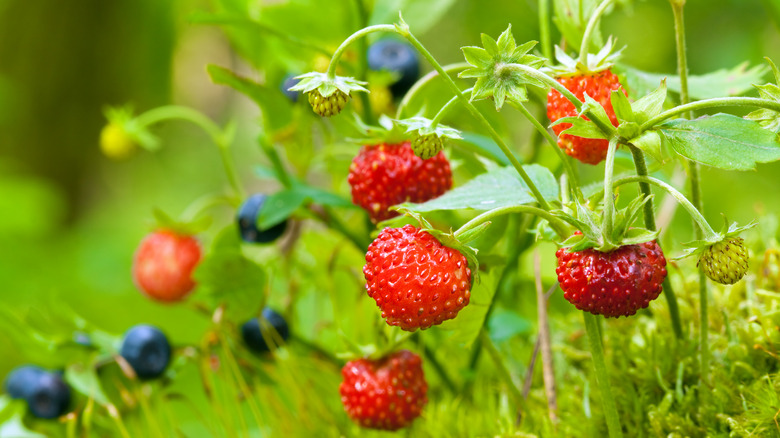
<point>423,81</point>
<point>602,375</point>
<point>544,28</point>
<point>334,61</point>
<point>589,29</point>
<point>718,102</point>
<point>486,216</point>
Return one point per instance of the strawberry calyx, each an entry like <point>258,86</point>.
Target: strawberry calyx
<point>728,231</point>
<point>180,227</point>
<point>603,60</point>
<point>125,127</point>
<point>767,118</point>
<point>325,85</point>
<point>493,80</point>
<point>593,235</point>
<point>427,135</point>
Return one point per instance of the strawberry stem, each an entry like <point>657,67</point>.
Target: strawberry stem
<point>602,375</point>
<point>334,61</point>
<point>589,29</point>
<point>573,180</point>
<point>423,81</point>
<point>704,226</point>
<point>175,112</point>
<point>544,28</point>
<point>753,102</point>
<point>607,224</point>
<point>558,225</point>
<point>649,217</point>
<point>443,111</point>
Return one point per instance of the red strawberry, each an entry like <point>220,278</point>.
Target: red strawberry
<point>615,283</point>
<point>415,280</point>
<point>599,86</point>
<point>163,265</point>
<point>388,174</point>
<point>388,393</point>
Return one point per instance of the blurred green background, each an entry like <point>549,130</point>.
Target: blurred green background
<point>70,218</point>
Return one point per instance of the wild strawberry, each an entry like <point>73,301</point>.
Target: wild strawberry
<point>427,146</point>
<point>599,86</point>
<point>164,263</point>
<point>615,283</point>
<point>725,262</point>
<point>415,280</point>
<point>328,106</point>
<point>116,143</point>
<point>388,393</point>
<point>388,174</point>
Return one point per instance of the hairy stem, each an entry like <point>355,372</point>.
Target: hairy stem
<point>334,61</point>
<point>423,81</point>
<point>649,216</point>
<point>591,27</point>
<point>602,375</point>
<point>718,102</point>
<point>544,28</point>
<point>486,216</point>
<point>607,224</point>
<point>443,111</point>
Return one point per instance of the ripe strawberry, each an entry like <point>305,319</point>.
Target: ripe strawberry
<point>427,146</point>
<point>163,265</point>
<point>388,174</point>
<point>415,280</point>
<point>599,86</point>
<point>615,283</point>
<point>328,106</point>
<point>725,262</point>
<point>388,393</point>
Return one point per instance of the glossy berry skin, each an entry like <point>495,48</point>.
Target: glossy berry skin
<point>253,336</point>
<point>50,398</point>
<point>246,217</point>
<point>147,350</point>
<point>415,280</point>
<point>388,174</point>
<point>725,262</point>
<point>22,380</point>
<point>384,394</point>
<point>46,394</point>
<point>164,263</point>
<point>288,82</point>
<point>599,86</point>
<point>615,283</point>
<point>397,57</point>
<point>327,106</point>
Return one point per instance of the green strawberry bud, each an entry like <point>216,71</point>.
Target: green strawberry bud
<point>725,262</point>
<point>427,146</point>
<point>328,106</point>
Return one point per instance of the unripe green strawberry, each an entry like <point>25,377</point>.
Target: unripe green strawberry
<point>725,262</point>
<point>328,106</point>
<point>427,146</point>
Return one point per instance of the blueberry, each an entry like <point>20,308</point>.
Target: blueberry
<point>247,221</point>
<point>147,350</point>
<point>290,81</point>
<point>50,397</point>
<point>254,338</point>
<point>397,57</point>
<point>23,380</point>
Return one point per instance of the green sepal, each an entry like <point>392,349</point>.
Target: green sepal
<point>186,228</point>
<point>326,85</point>
<point>386,132</point>
<point>581,128</point>
<point>767,118</point>
<point>425,126</point>
<point>496,84</point>
<point>123,116</point>
<point>650,105</point>
<point>697,247</point>
<point>600,61</point>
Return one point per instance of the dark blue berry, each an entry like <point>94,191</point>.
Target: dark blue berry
<point>50,397</point>
<point>254,338</point>
<point>22,380</point>
<point>290,81</point>
<point>147,350</point>
<point>398,57</point>
<point>247,221</point>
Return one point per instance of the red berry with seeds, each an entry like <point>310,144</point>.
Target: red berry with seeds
<point>388,393</point>
<point>164,263</point>
<point>388,174</point>
<point>415,280</point>
<point>599,86</point>
<point>615,283</point>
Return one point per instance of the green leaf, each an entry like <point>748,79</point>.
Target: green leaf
<point>465,328</point>
<point>571,18</point>
<point>485,146</point>
<point>651,105</point>
<point>622,107</point>
<point>580,127</point>
<point>12,412</point>
<point>323,197</point>
<point>279,207</point>
<point>506,324</point>
<point>723,141</point>
<point>725,82</point>
<point>277,113</point>
<point>84,379</point>
<point>501,187</point>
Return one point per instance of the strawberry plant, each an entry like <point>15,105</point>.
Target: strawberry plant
<point>365,267</point>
